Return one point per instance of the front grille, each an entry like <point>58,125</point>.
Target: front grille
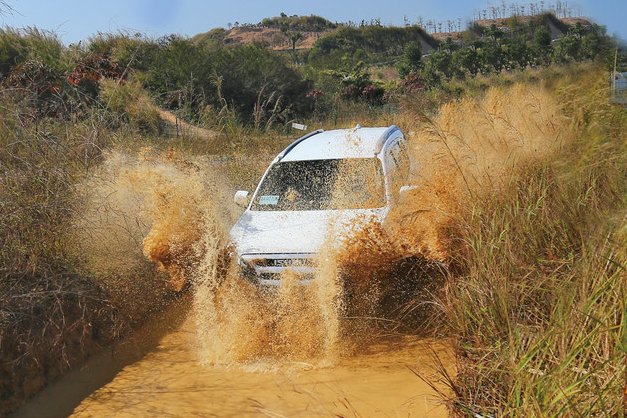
<point>270,276</point>
<point>277,276</point>
<point>281,262</point>
<point>288,262</point>
<point>268,268</point>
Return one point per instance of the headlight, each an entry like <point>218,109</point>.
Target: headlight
<point>246,269</point>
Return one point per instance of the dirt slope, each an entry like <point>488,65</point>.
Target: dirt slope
<point>271,36</point>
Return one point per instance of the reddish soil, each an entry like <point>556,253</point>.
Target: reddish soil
<point>272,36</point>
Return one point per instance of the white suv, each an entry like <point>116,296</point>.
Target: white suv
<point>323,177</point>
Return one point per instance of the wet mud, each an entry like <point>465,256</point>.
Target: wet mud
<point>173,381</point>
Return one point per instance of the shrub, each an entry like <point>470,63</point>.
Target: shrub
<point>32,44</point>
<point>41,85</point>
<point>130,101</point>
<point>51,315</point>
<point>88,71</point>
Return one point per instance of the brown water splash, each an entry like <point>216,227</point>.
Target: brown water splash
<point>238,322</point>
<point>370,269</point>
<point>468,149</point>
<point>178,201</point>
<point>154,205</point>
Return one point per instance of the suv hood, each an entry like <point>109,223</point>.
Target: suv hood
<point>276,232</point>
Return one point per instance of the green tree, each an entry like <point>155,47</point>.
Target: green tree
<point>494,33</point>
<point>517,53</point>
<point>251,73</point>
<point>540,48</point>
<point>439,64</point>
<point>597,45</point>
<point>295,37</point>
<point>568,48</point>
<point>467,60</point>
<point>178,73</point>
<point>412,60</point>
<point>449,45</point>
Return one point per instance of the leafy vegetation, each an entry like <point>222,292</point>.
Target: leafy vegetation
<point>32,44</point>
<point>189,76</point>
<point>311,23</point>
<point>494,49</point>
<point>51,314</point>
<point>369,43</point>
<point>196,76</point>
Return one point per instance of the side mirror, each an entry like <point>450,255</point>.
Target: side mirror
<point>407,189</point>
<point>242,198</point>
<point>404,193</point>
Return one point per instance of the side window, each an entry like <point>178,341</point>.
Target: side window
<point>400,161</point>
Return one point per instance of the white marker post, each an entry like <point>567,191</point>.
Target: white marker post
<point>299,126</point>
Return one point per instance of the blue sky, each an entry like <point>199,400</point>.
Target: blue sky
<point>76,20</point>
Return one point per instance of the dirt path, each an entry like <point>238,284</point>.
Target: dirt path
<point>181,127</point>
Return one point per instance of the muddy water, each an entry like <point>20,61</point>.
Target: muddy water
<point>235,351</point>
<point>171,381</point>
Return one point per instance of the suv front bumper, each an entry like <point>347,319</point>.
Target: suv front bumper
<point>268,269</point>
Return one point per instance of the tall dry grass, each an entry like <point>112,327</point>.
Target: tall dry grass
<point>77,198</point>
<point>51,315</point>
<point>539,304</point>
<point>61,298</point>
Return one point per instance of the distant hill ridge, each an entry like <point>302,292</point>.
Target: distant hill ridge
<point>278,32</point>
<point>556,26</point>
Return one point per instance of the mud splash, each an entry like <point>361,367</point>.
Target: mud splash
<point>241,324</point>
<point>184,211</point>
<point>160,201</point>
<point>368,273</point>
<point>373,278</point>
<point>469,149</point>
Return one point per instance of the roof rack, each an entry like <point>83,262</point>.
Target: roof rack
<point>298,141</point>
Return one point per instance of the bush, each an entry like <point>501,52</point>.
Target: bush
<point>51,315</point>
<point>130,101</point>
<point>32,44</point>
<point>311,23</point>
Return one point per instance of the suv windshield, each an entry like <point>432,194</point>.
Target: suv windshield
<point>349,183</point>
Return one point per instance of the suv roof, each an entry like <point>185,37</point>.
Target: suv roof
<point>356,142</point>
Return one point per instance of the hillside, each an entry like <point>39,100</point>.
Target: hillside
<point>557,26</point>
<point>271,33</point>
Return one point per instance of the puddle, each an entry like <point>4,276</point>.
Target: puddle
<point>171,381</point>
